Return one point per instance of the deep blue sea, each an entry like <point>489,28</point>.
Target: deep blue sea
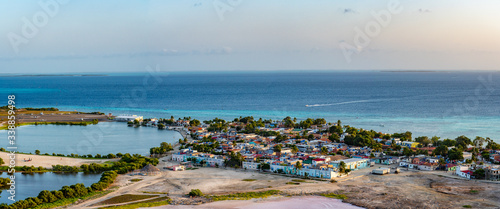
<point>445,104</point>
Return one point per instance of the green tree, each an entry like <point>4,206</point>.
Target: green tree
<point>424,140</point>
<point>479,173</point>
<point>463,141</point>
<point>324,150</point>
<point>342,168</point>
<point>68,192</point>
<point>407,151</point>
<point>486,155</point>
<point>442,162</point>
<point>455,154</point>
<point>441,150</point>
<point>479,142</point>
<point>492,145</point>
<point>435,141</point>
<point>277,148</point>
<point>195,193</point>
<point>298,165</point>
<point>334,137</point>
<point>47,196</point>
<point>194,122</point>
<point>37,152</point>
<point>295,149</point>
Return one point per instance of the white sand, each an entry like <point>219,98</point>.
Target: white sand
<point>48,161</point>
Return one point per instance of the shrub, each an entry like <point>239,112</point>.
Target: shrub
<point>195,193</point>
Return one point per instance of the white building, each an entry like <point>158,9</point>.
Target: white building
<point>463,171</point>
<point>251,165</point>
<point>127,118</point>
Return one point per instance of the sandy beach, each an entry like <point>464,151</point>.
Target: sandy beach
<point>48,161</point>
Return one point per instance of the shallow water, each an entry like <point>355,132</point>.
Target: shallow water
<point>29,185</point>
<point>103,138</point>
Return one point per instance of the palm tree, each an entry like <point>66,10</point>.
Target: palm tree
<point>324,150</point>
<point>342,167</point>
<point>479,142</point>
<point>298,166</point>
<point>295,149</point>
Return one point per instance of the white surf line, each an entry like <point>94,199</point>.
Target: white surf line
<point>349,102</point>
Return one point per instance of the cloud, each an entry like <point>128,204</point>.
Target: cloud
<point>197,4</point>
<point>348,10</point>
<point>424,10</point>
<point>163,52</point>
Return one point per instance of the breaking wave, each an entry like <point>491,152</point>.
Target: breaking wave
<point>349,102</point>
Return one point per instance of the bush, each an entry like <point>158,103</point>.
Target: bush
<point>195,193</point>
<point>47,196</point>
<point>127,163</point>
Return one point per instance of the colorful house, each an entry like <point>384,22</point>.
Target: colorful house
<point>352,163</point>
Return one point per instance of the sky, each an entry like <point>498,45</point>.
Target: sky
<point>50,36</point>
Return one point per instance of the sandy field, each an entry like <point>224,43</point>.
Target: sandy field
<point>409,189</point>
<point>419,189</point>
<point>271,203</point>
<point>25,116</point>
<point>60,118</point>
<point>48,161</point>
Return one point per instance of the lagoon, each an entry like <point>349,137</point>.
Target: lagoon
<point>103,138</point>
<point>30,185</point>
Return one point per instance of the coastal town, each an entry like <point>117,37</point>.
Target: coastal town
<point>250,159</point>
<point>317,149</point>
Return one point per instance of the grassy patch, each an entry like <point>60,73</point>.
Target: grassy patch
<point>249,180</point>
<point>293,183</point>
<point>299,180</point>
<point>473,191</point>
<point>144,204</point>
<point>244,196</point>
<point>125,198</point>
<point>467,206</point>
<point>135,180</point>
<point>334,195</point>
<point>154,192</point>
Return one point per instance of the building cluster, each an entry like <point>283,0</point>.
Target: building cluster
<point>307,152</point>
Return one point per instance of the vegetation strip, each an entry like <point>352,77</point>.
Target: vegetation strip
<point>244,196</point>
<point>125,198</point>
<point>144,204</point>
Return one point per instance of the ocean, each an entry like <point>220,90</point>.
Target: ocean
<point>445,104</point>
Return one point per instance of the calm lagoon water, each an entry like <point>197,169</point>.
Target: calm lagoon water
<point>29,185</point>
<point>103,138</point>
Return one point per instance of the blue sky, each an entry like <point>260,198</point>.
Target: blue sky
<point>193,35</point>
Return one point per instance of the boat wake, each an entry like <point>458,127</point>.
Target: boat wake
<point>349,102</point>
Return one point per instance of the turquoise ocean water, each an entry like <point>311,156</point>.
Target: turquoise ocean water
<point>446,104</point>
